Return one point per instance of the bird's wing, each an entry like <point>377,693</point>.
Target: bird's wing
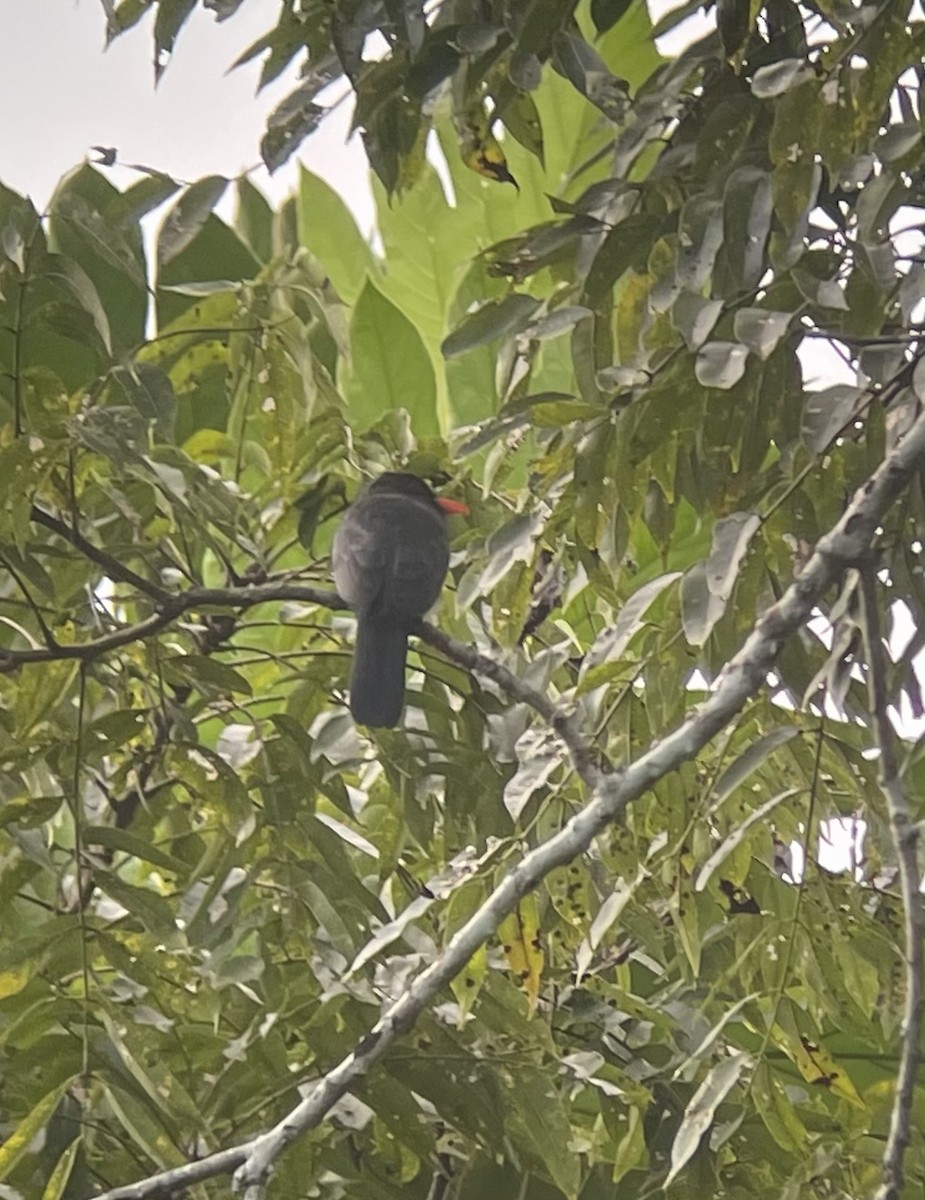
<point>360,557</point>
<point>390,556</point>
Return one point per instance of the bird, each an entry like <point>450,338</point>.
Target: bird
<point>389,559</point>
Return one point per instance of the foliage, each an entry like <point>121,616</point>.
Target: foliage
<point>211,881</point>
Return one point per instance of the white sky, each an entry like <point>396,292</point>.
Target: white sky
<point>61,94</point>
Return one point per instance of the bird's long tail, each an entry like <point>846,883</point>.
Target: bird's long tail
<point>377,680</point>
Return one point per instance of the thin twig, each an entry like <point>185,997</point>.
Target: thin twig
<point>744,675</point>
<point>905,844</point>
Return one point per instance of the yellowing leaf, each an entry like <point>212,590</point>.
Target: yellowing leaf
<point>466,985</point>
<point>818,1067</point>
<point>13,980</point>
<point>523,949</point>
<point>20,1139</point>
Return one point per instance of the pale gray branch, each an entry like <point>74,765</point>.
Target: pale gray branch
<point>905,844</point>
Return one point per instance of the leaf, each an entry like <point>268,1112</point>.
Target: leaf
<point>701,1110</point>
<point>327,227</point>
<point>611,643</point>
<point>818,1066</point>
<point>778,77</point>
<point>720,364</point>
<point>826,413</point>
<point>694,317</point>
<point>731,538</point>
<point>208,675</point>
<point>170,18</point>
<point>254,219</point>
<point>760,329</point>
<point>60,1177</point>
<point>625,246</point>
<point>751,758</point>
<point>606,13</point>
<point>149,908</point>
<point>129,843</point>
<point>586,71</point>
<point>79,286</point>
<point>700,608</point>
<point>187,217</point>
<point>538,757</point>
<point>390,366</point>
<point>747,210</point>
<point>19,1140</point>
<point>523,948</point>
<point>733,17</point>
<point>290,124</point>
<point>90,227</point>
<point>517,110</point>
<point>148,389</point>
<point>513,542</point>
<point>700,235</point>
<point>740,833</point>
<point>493,320</point>
<point>555,323</point>
<point>776,1109</point>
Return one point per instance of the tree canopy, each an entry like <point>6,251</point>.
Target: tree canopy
<point>565,931</point>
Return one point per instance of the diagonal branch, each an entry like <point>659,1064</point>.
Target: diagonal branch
<point>743,676</point>
<point>110,564</point>
<point>905,836</point>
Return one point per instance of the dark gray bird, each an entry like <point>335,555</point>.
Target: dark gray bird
<point>390,559</point>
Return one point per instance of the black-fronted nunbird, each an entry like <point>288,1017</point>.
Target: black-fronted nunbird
<point>390,559</point>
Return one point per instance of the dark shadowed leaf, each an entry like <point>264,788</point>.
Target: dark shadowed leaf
<point>188,216</point>
<point>493,320</point>
<point>827,412</point>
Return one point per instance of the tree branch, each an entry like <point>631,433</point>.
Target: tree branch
<point>111,565</point>
<point>564,725</point>
<point>743,676</point>
<point>170,608</point>
<point>905,837</point>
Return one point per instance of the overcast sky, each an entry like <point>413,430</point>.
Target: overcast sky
<point>60,93</point>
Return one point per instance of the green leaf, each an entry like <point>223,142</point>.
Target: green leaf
<point>742,831</point>
<point>19,1140</point>
<point>170,18</point>
<point>720,364</point>
<point>289,125</point>
<point>493,320</point>
<point>731,538</point>
<point>760,329</point>
<point>626,246</point>
<point>328,229</point>
<point>207,674</point>
<point>129,843</point>
<point>187,217</point>
<point>390,366</point>
<point>701,1111</point>
<point>583,67</point>
<point>86,225</point>
<point>606,13</point>
<point>150,909</point>
<point>148,389</point>
<point>734,20</point>
<point>827,413</point>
